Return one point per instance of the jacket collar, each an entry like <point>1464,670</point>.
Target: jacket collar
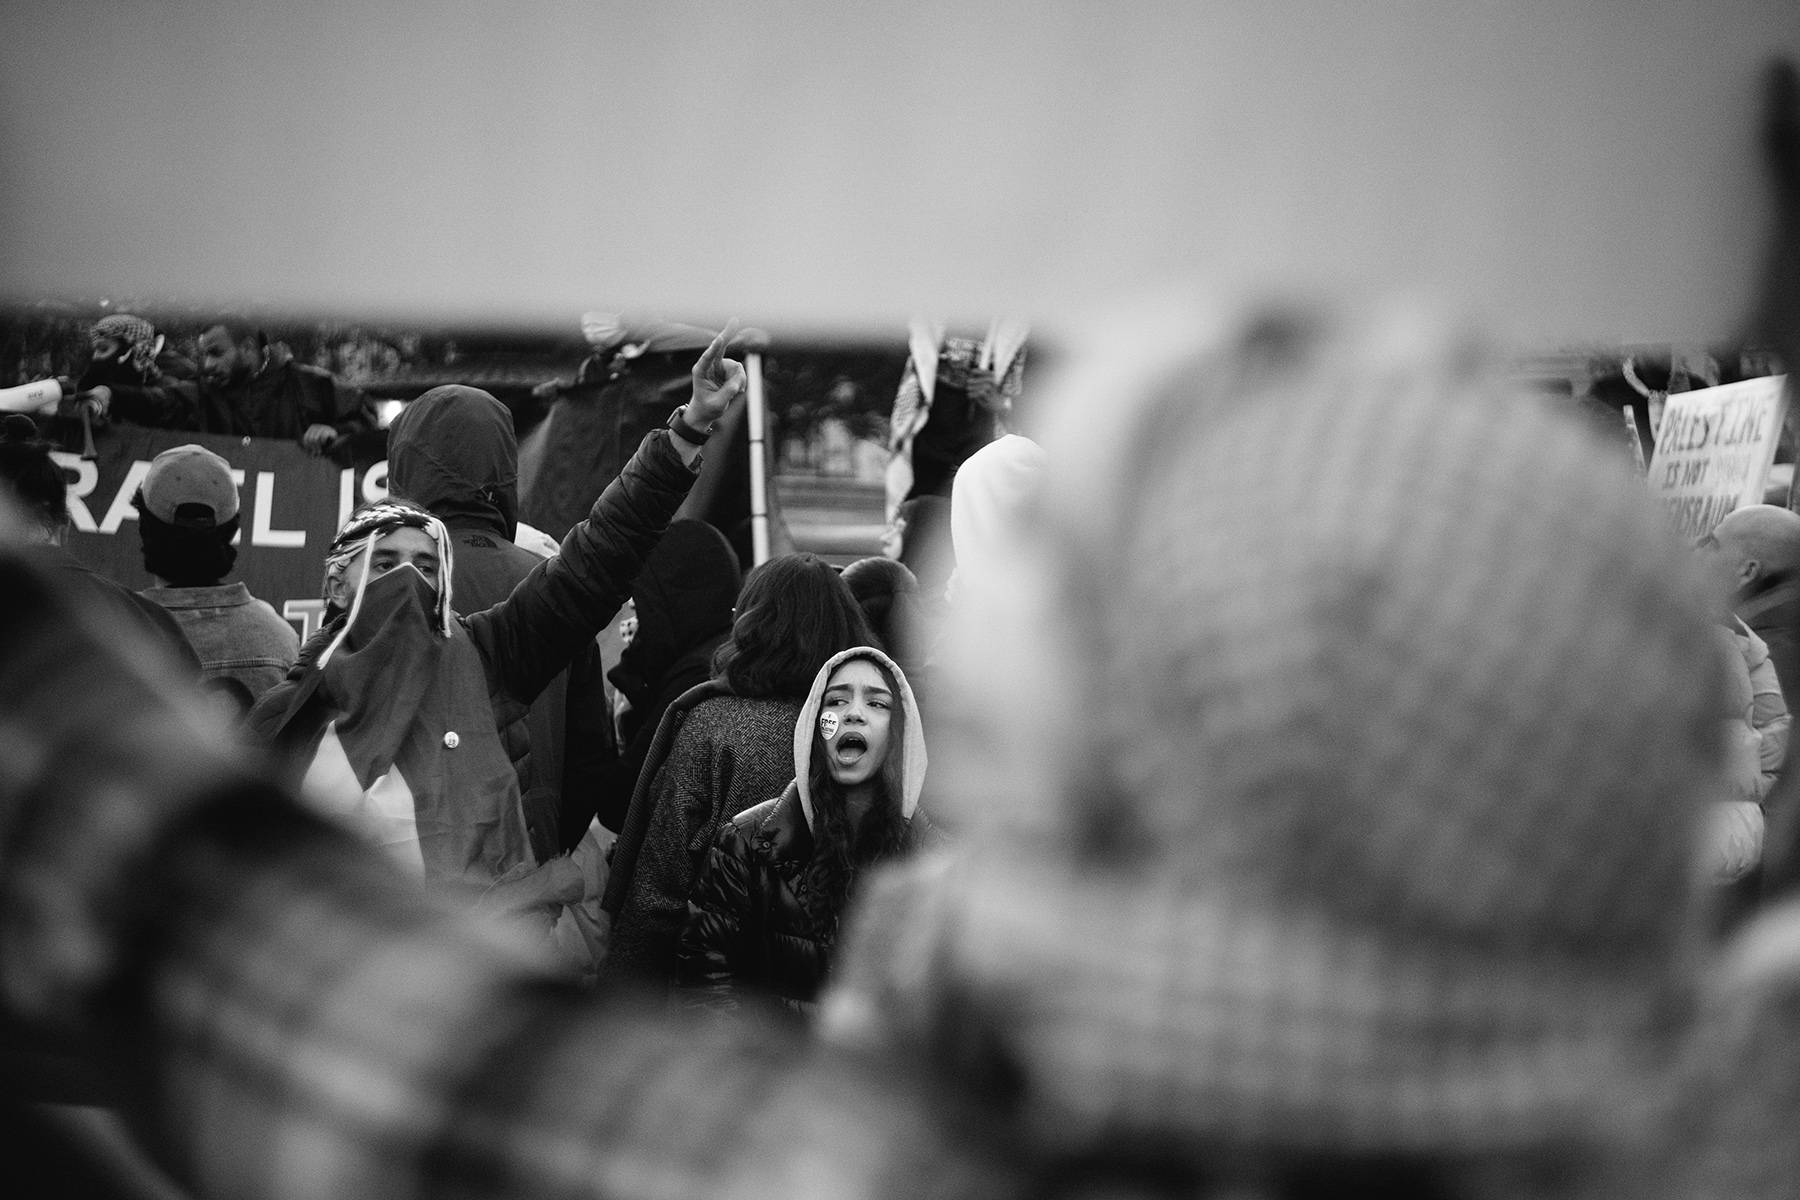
<point>222,595</point>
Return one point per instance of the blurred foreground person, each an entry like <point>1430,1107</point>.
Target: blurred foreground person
<point>398,709</point>
<point>1332,840</point>
<point>282,1015</point>
<point>187,523</point>
<point>766,910</point>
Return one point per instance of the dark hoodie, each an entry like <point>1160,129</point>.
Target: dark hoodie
<point>684,598</point>
<point>453,451</point>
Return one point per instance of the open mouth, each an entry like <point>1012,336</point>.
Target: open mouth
<point>850,747</point>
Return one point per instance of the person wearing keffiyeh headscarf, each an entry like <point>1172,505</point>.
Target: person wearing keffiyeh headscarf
<point>129,377</point>
<point>393,714</point>
<point>125,339</point>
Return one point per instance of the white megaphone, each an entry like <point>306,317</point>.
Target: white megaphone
<point>41,396</point>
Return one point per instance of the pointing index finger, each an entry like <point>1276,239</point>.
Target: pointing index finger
<point>710,364</point>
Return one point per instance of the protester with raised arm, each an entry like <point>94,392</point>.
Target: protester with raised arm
<point>397,707</point>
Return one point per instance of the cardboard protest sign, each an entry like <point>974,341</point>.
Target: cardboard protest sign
<point>1553,167</point>
<point>1714,451</point>
<point>290,504</point>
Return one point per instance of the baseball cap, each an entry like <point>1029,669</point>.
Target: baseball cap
<point>190,486</point>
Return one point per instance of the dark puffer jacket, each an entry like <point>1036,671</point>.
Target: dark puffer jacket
<point>764,915</point>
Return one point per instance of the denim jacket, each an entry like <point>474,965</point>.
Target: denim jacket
<point>242,642</point>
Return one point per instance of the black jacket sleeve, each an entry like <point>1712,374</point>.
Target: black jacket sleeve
<point>559,608</point>
<point>168,405</point>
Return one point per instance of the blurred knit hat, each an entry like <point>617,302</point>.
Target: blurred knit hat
<point>1355,714</point>
<point>190,486</point>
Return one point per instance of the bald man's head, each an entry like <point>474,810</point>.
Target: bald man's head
<point>1759,546</point>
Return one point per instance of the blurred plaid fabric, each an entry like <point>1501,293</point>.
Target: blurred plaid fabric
<point>285,1015</point>
<point>1329,755</point>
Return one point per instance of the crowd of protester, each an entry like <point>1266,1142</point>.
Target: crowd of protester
<point>243,383</point>
<point>1327,775</point>
<point>1190,829</point>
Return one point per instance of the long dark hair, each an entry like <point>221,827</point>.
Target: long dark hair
<point>793,613</point>
<point>841,846</point>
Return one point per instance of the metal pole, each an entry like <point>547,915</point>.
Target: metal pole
<point>759,497</point>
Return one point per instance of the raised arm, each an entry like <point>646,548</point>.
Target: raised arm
<point>566,600</point>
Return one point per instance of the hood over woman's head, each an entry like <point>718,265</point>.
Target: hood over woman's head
<point>904,767</point>
<point>1372,690</point>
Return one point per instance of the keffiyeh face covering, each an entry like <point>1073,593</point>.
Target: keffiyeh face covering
<point>357,540</point>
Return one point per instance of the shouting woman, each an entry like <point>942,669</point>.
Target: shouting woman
<point>766,909</point>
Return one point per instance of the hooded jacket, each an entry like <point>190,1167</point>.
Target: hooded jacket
<point>453,451</point>
<point>480,672</point>
<point>764,915</point>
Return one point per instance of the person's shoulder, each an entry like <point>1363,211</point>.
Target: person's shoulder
<point>265,615</point>
<point>487,569</point>
<point>495,552</point>
<point>765,707</point>
<point>737,717</point>
<point>148,615</point>
<point>770,826</point>
<point>753,818</point>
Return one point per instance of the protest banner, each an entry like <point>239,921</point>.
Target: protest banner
<point>1714,450</point>
<point>289,506</point>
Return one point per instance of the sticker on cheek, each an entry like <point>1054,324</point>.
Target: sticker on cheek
<point>828,725</point>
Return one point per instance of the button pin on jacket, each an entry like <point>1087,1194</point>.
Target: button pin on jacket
<point>451,741</point>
